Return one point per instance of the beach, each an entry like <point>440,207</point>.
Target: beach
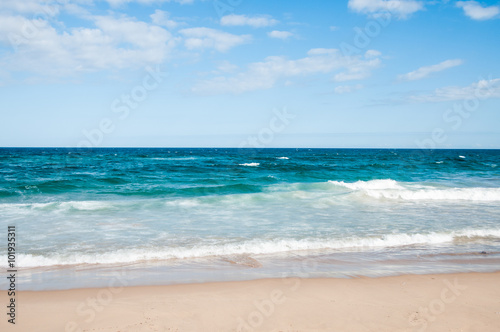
<point>436,302</point>
<point>246,166</point>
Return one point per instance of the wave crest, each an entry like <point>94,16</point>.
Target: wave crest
<point>391,189</point>
<point>256,247</point>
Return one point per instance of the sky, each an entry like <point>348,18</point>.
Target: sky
<point>241,73</point>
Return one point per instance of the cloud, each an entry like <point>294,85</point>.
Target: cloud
<point>227,67</point>
<point>401,8</point>
<point>49,7</point>
<point>112,43</point>
<point>483,89</point>
<point>475,11</point>
<point>200,38</point>
<point>136,33</point>
<point>266,74</point>
<point>161,17</point>
<point>42,45</point>
<point>341,89</point>
<point>44,8</point>
<point>240,20</point>
<point>423,72</point>
<point>372,54</point>
<point>117,3</point>
<point>358,70</point>
<point>280,34</point>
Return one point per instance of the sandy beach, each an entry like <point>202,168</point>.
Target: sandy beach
<point>443,302</point>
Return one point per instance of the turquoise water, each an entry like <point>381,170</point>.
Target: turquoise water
<point>186,215</point>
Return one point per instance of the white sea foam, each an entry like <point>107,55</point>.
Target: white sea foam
<point>250,164</point>
<point>284,158</point>
<point>183,203</point>
<point>252,247</point>
<point>85,205</point>
<point>373,184</point>
<point>465,194</point>
<point>390,189</point>
<point>175,158</point>
<point>75,205</point>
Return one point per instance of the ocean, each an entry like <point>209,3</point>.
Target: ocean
<point>177,215</point>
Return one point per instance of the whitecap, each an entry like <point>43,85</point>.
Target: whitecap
<point>391,189</point>
<point>250,164</point>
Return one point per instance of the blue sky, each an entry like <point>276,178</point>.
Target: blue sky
<point>231,73</point>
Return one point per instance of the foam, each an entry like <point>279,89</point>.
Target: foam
<point>250,164</point>
<point>373,184</point>
<point>391,189</point>
<point>183,203</point>
<point>254,247</point>
<point>85,205</point>
<point>461,194</point>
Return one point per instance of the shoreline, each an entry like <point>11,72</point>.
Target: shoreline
<point>230,268</point>
<point>432,302</point>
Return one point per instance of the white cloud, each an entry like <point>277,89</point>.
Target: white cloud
<point>423,72</point>
<point>341,89</point>
<point>280,34</point>
<point>265,74</point>
<point>227,67</point>
<point>42,7</point>
<point>240,20</point>
<point>401,8</point>
<point>200,38</point>
<point>361,69</point>
<point>483,89</point>
<point>112,43</point>
<point>116,3</point>
<point>77,10</point>
<point>127,30</point>
<point>372,54</point>
<point>161,17</point>
<point>474,10</point>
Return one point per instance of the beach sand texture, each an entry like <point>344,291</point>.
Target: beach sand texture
<point>442,302</point>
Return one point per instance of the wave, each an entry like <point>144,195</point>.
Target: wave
<point>391,189</point>
<point>369,185</point>
<point>255,247</point>
<point>250,164</point>
<point>63,206</point>
<point>387,189</point>
<point>283,158</point>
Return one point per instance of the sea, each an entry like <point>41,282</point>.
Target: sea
<point>158,216</point>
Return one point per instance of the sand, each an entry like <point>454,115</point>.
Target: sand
<point>444,302</point>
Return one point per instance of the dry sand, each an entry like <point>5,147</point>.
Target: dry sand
<point>444,302</point>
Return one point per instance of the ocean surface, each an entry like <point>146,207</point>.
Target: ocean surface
<point>84,217</point>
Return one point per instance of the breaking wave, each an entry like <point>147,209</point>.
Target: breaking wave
<point>390,189</point>
<point>255,247</point>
